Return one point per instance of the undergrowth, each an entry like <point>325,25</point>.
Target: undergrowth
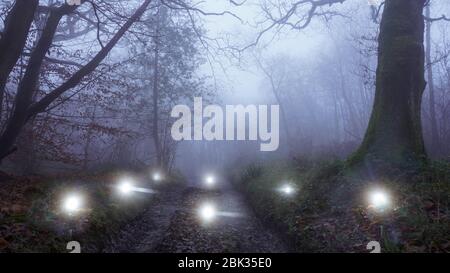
<point>330,212</point>
<point>31,218</point>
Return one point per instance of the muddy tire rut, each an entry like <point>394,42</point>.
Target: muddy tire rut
<point>173,225</point>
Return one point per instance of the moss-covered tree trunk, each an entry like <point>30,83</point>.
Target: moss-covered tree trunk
<point>394,136</point>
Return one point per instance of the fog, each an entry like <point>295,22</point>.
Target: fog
<point>322,76</point>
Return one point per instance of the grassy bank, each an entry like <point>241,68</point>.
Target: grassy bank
<point>323,215</point>
<point>32,220</point>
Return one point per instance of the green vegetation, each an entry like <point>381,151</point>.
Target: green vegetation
<point>35,221</point>
<point>330,211</point>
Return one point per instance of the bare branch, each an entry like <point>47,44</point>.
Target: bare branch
<point>89,67</point>
<point>442,18</point>
<point>287,14</point>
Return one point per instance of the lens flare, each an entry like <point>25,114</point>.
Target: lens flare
<point>125,187</point>
<point>287,189</point>
<point>72,203</point>
<point>157,176</point>
<point>210,180</point>
<point>207,212</point>
<point>379,199</point>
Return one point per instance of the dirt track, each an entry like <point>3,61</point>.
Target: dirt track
<point>173,225</point>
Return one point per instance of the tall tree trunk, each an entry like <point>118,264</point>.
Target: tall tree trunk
<point>276,93</point>
<point>89,137</point>
<point>13,39</point>
<point>156,96</point>
<point>434,148</point>
<point>394,135</point>
<point>349,108</point>
<point>351,112</point>
<point>24,109</point>
<point>337,128</point>
<point>27,86</point>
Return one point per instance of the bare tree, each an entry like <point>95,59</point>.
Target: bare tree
<point>24,108</point>
<point>394,134</point>
<point>431,89</point>
<point>276,79</point>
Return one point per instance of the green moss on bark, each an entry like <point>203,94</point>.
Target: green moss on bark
<point>394,135</point>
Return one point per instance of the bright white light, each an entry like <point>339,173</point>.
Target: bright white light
<point>287,189</point>
<point>72,203</point>
<point>207,212</point>
<point>157,176</point>
<point>210,180</point>
<point>125,187</point>
<point>379,199</point>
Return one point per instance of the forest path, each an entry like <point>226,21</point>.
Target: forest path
<point>174,225</point>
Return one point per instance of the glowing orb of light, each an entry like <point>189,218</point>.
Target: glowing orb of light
<point>207,212</point>
<point>287,189</point>
<point>126,187</point>
<point>72,203</point>
<point>379,199</point>
<point>210,180</point>
<point>157,176</point>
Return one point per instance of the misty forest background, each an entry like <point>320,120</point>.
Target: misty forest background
<point>83,110</point>
<point>363,88</point>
